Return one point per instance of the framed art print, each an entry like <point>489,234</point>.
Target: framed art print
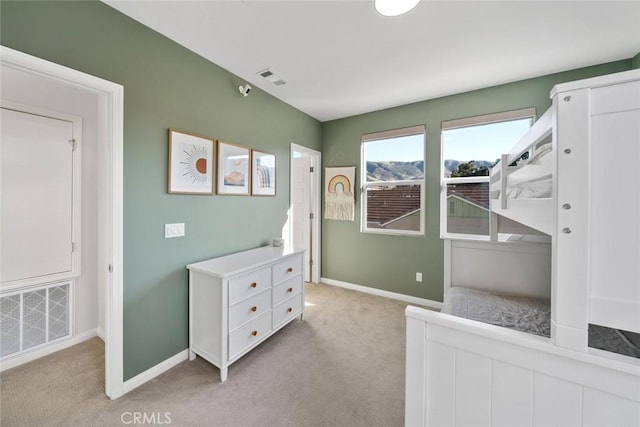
<point>263,174</point>
<point>233,169</point>
<point>190,163</point>
<point>339,199</point>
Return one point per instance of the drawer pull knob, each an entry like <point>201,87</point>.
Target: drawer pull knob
<point>290,270</point>
<point>254,284</point>
<point>289,310</point>
<point>254,308</point>
<point>254,333</point>
<point>290,290</point>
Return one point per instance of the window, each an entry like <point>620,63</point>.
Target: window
<point>470,147</point>
<point>393,181</point>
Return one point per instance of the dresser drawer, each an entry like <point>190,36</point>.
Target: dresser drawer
<point>249,309</point>
<point>288,309</point>
<point>248,335</point>
<point>286,289</point>
<point>249,284</point>
<point>286,269</point>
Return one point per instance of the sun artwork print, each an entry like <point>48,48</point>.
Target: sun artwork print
<point>190,163</point>
<point>195,165</point>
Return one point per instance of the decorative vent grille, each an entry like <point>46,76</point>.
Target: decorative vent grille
<point>34,317</point>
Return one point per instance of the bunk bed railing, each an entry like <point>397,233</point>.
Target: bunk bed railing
<point>526,165</point>
<point>538,135</point>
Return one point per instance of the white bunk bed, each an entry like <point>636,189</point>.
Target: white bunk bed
<point>462,371</point>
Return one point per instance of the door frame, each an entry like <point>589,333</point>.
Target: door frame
<point>316,190</point>
<point>110,240</point>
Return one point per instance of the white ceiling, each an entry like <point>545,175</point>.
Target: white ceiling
<point>340,58</point>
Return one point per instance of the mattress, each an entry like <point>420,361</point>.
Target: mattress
<point>538,189</point>
<point>536,186</point>
<point>530,315</point>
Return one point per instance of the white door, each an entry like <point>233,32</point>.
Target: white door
<point>36,189</point>
<point>301,237</point>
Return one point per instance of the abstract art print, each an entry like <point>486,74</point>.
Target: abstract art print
<point>190,163</point>
<point>263,174</point>
<point>233,169</point>
<point>339,193</point>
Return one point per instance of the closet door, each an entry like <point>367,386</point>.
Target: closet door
<point>36,197</point>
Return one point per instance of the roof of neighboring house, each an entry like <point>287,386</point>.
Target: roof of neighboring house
<point>388,204</point>
<point>476,193</point>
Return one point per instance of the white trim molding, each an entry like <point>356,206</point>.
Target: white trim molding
<point>154,371</point>
<point>434,305</point>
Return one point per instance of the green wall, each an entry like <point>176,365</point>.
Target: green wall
<point>169,86</point>
<point>390,262</point>
<point>635,61</point>
<point>165,86</point>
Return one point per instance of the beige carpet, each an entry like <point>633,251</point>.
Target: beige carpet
<point>342,366</point>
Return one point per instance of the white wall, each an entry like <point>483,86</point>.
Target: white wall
<point>516,267</point>
<point>27,89</point>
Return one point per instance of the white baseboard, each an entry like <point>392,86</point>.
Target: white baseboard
<point>382,293</point>
<point>153,372</point>
<point>29,356</point>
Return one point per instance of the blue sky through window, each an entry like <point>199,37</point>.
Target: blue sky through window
<point>482,142</point>
<point>400,149</point>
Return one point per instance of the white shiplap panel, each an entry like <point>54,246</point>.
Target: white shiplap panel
<point>473,390</point>
<point>512,396</point>
<point>604,409</point>
<point>440,385</point>
<point>556,403</point>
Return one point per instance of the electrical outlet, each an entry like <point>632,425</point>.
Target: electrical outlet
<point>418,277</point>
<point>173,230</point>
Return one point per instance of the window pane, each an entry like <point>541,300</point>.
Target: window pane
<point>395,159</point>
<point>468,208</point>
<point>393,207</point>
<point>472,150</point>
<point>392,177</point>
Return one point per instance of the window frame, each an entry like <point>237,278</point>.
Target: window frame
<point>465,122</point>
<point>364,184</point>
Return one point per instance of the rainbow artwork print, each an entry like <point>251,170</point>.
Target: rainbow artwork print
<point>263,173</point>
<point>339,195</point>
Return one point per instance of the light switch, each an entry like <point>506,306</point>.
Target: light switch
<point>173,230</point>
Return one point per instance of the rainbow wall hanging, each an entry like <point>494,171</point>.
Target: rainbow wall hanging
<point>339,194</point>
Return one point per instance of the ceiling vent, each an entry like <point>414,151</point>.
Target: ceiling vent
<point>272,77</point>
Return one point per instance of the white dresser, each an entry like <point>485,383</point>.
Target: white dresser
<point>239,300</point>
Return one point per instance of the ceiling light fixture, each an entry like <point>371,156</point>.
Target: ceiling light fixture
<point>394,7</point>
